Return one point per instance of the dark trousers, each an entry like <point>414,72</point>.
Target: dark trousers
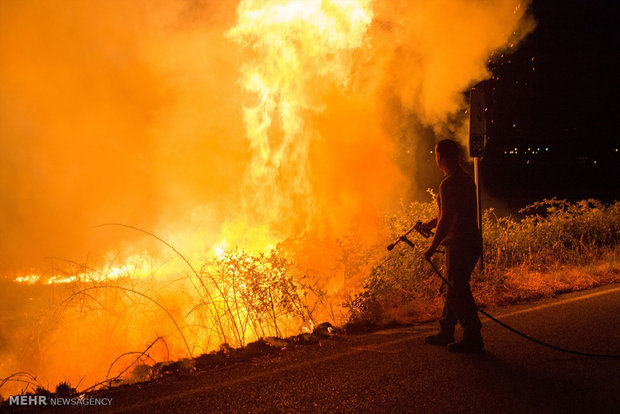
<point>459,304</point>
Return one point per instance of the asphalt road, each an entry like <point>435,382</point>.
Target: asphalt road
<point>394,371</point>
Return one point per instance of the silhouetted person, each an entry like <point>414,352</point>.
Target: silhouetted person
<point>457,229</point>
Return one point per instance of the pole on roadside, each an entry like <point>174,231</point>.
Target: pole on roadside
<point>477,143</point>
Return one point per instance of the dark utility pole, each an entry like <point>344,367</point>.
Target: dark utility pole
<point>477,143</point>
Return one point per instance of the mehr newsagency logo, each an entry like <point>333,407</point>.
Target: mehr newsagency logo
<point>42,400</point>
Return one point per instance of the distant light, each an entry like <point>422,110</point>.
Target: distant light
<point>595,162</point>
<point>616,149</point>
<point>514,125</point>
<point>547,149</point>
<point>431,151</point>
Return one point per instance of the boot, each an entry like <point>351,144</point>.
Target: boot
<point>467,345</point>
<point>441,339</point>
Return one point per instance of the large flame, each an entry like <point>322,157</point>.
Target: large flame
<point>299,50</point>
<point>223,127</point>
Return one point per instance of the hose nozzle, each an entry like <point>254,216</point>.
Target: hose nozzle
<point>417,227</point>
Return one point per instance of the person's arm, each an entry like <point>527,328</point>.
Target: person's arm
<point>446,217</point>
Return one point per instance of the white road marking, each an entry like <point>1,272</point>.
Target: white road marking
<point>556,303</point>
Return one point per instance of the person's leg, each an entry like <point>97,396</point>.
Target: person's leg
<point>449,315</point>
<point>448,319</point>
<point>447,323</point>
<point>458,272</point>
<point>466,310</point>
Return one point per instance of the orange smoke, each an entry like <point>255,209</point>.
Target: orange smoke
<point>215,121</point>
<point>113,111</point>
<point>216,124</point>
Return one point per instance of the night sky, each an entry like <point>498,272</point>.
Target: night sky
<point>558,92</point>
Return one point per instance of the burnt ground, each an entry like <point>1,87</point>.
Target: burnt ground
<point>392,370</point>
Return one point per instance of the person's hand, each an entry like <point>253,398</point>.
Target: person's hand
<point>426,227</point>
<point>428,254</point>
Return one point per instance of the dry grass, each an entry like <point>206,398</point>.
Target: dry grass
<point>522,284</point>
<point>554,246</point>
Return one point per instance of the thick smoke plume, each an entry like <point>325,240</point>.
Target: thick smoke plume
<point>114,111</point>
<point>132,112</point>
<point>214,123</point>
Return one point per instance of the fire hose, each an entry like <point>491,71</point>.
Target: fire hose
<point>426,234</point>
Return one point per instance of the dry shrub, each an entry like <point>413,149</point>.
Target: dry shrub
<point>552,246</point>
<point>256,296</point>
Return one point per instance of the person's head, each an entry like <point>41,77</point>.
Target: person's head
<point>447,155</point>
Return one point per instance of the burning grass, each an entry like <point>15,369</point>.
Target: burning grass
<point>136,325</point>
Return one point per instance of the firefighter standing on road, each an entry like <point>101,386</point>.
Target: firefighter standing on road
<point>457,229</point>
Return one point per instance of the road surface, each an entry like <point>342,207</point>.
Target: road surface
<point>394,371</point>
